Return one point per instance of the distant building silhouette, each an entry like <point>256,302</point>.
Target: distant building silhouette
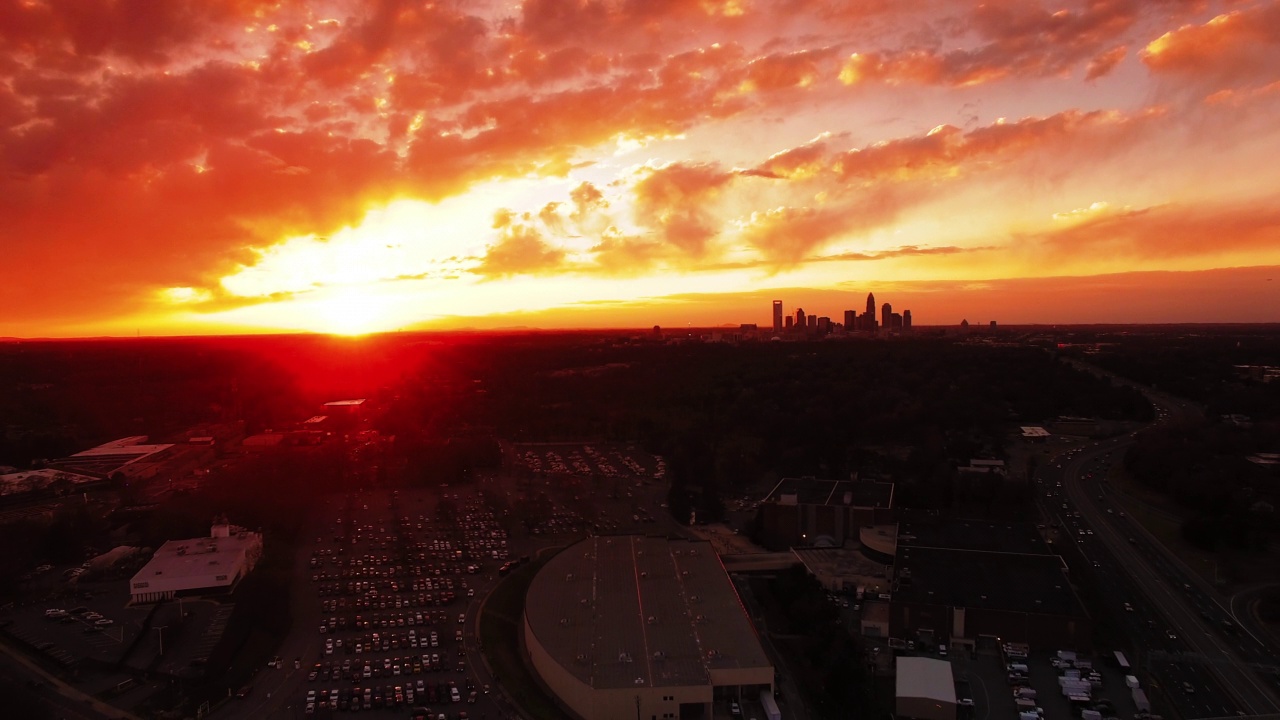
<point>777,316</point>
<point>906,319</point>
<point>871,304</point>
<point>801,322</point>
<point>886,313</point>
<point>850,320</point>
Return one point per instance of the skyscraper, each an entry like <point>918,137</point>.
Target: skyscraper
<point>871,304</point>
<point>800,319</point>
<point>906,319</point>
<point>777,316</point>
<point>886,316</point>
<point>850,320</point>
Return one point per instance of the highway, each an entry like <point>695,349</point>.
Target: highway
<point>1207,663</point>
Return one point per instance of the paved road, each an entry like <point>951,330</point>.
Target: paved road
<point>63,701</point>
<point>1197,646</point>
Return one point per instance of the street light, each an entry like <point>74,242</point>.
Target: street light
<point>161,630</point>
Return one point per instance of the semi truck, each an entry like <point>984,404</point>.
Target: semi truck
<point>1141,701</point>
<point>771,711</point>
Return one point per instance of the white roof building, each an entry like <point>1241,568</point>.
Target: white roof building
<point>926,689</point>
<point>199,566</point>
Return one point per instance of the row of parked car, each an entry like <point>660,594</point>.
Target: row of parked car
<point>93,619</point>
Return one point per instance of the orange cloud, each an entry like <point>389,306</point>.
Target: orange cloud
<point>1240,48</point>
<point>520,250</point>
<point>792,70</point>
<point>786,236</point>
<point>1104,63</point>
<point>676,202</point>
<point>1015,39</point>
<point>1164,232</point>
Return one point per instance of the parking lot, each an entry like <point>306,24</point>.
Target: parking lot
<point>994,694</point>
<point>602,460</point>
<point>398,577</point>
<point>76,620</point>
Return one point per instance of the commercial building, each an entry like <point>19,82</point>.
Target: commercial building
<point>925,689</point>
<point>777,316</point>
<point>631,626</point>
<point>811,512</point>
<point>1034,433</point>
<point>972,584</point>
<point>199,566</point>
<point>48,481</point>
<point>131,457</point>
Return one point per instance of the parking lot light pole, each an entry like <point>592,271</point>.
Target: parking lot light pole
<point>160,630</point>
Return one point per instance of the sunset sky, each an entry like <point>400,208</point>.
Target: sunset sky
<point>242,166</point>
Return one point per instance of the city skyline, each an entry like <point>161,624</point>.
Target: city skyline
<point>347,167</point>
<point>853,322</point>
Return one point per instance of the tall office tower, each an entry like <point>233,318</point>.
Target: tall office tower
<point>800,319</point>
<point>871,304</point>
<point>824,325</point>
<point>777,316</point>
<point>789,321</point>
<point>813,322</point>
<point>850,320</point>
<point>896,320</point>
<point>886,316</point>
<point>906,319</point>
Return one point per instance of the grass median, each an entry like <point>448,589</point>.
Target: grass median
<point>500,628</point>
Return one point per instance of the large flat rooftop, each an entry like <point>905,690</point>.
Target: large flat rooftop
<point>923,529</point>
<point>922,677</point>
<point>110,457</point>
<point>633,611</point>
<point>197,559</point>
<point>811,491</point>
<point>981,579</point>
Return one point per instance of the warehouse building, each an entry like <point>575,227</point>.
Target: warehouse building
<point>198,567</point>
<point>971,584</point>
<point>631,626</point>
<point>823,513</point>
<point>925,689</point>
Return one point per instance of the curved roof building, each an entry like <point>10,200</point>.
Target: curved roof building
<point>628,626</point>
